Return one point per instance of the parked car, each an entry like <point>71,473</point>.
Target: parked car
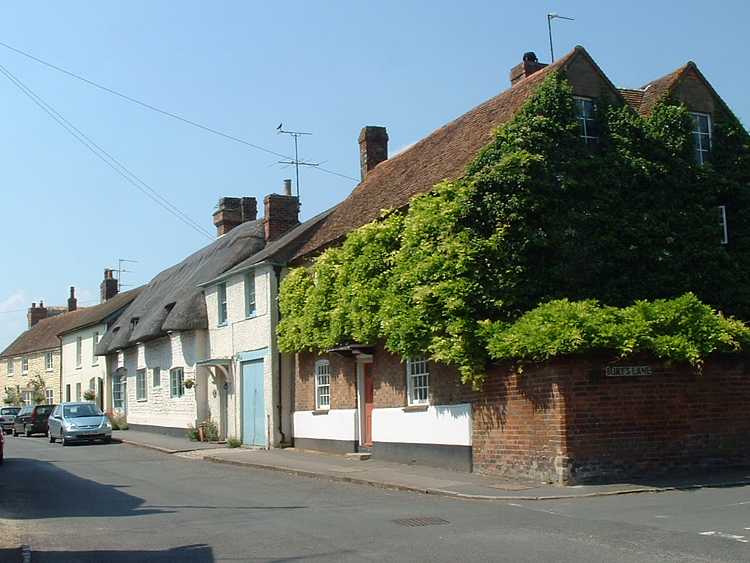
<point>71,422</point>
<point>2,447</point>
<point>7,416</point>
<point>32,419</point>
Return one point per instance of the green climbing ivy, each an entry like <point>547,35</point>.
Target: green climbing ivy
<point>540,217</point>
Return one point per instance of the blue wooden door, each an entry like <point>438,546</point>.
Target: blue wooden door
<point>253,411</point>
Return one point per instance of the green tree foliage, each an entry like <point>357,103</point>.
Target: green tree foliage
<point>538,217</point>
<point>12,396</point>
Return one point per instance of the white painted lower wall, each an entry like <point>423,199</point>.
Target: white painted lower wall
<point>439,424</point>
<point>338,424</point>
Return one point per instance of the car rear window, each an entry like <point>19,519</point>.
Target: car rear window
<point>9,411</point>
<point>44,409</point>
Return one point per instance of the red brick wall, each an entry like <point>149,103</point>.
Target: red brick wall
<point>675,419</point>
<point>343,382</point>
<point>518,424</point>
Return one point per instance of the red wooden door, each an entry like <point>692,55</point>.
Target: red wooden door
<point>368,405</point>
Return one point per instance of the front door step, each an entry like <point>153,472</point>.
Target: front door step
<point>359,456</point>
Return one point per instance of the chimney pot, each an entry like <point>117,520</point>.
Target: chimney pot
<point>233,211</point>
<point>281,215</point>
<point>72,301</point>
<point>109,286</point>
<point>373,148</point>
<point>288,187</point>
<point>528,66</point>
<point>36,314</point>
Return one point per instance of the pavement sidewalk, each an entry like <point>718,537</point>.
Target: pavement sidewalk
<point>415,478</point>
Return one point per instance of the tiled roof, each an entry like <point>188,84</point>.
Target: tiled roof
<point>654,91</point>
<point>44,334</point>
<point>632,97</point>
<point>444,154</point>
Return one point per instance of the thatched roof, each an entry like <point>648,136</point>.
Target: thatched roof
<point>173,301</point>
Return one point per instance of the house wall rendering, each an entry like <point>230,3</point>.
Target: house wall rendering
<point>82,370</point>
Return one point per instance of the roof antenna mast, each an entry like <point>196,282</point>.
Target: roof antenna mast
<point>120,271</point>
<point>296,162</point>
<point>551,16</point>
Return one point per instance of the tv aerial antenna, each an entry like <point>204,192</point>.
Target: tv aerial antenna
<point>296,135</point>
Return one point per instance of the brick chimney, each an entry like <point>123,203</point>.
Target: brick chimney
<point>373,148</point>
<point>233,211</point>
<point>36,314</point>
<point>281,213</point>
<point>72,301</point>
<point>527,67</point>
<point>109,286</point>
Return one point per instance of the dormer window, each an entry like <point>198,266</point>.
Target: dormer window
<point>586,115</point>
<point>701,136</point>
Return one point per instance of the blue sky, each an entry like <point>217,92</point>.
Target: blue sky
<point>243,67</point>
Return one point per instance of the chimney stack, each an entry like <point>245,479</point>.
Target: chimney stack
<point>109,286</point>
<point>72,301</point>
<point>36,314</point>
<point>281,213</point>
<point>233,211</point>
<point>527,67</point>
<point>373,148</point>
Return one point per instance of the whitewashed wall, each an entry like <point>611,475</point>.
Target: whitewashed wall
<point>91,366</point>
<point>338,424</point>
<point>242,334</point>
<point>448,425</point>
<point>179,349</point>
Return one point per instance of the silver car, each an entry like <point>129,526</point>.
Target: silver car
<point>71,422</point>
<point>8,417</point>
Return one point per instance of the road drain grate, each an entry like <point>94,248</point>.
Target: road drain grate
<point>420,521</point>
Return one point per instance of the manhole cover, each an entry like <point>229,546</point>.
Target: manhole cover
<point>421,521</point>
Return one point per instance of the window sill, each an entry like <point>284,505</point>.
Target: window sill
<point>251,316</point>
<point>49,370</point>
<point>222,325</point>
<point>79,367</point>
<point>416,408</point>
<point>141,400</point>
<point>318,412</point>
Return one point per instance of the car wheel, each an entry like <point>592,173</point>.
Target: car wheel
<point>108,439</point>
<point>51,437</point>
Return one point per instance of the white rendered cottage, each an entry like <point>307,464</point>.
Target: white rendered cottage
<point>253,378</point>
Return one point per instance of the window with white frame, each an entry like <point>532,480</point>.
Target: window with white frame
<point>26,397</point>
<point>140,385</point>
<point>49,395</point>
<point>156,377</point>
<point>586,115</point>
<point>118,391</point>
<point>250,306</point>
<point>49,362</point>
<point>79,351</point>
<point>11,367</point>
<point>78,391</point>
<point>418,380</point>
<point>94,342</point>
<point>701,136</point>
<point>723,224</point>
<point>222,297</point>
<point>176,382</point>
<point>322,385</point>
<point>24,366</point>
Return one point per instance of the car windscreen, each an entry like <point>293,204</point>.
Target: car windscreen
<point>77,411</point>
<point>9,411</point>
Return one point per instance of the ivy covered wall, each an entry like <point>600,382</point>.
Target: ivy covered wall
<point>540,216</point>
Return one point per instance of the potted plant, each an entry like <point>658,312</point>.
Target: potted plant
<point>89,395</point>
<point>189,383</point>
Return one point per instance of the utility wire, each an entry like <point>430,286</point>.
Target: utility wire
<point>106,157</point>
<point>163,111</point>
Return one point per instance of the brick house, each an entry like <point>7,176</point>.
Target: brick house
<point>36,352</point>
<point>557,422</point>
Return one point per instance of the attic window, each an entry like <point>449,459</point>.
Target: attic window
<point>586,115</point>
<point>701,136</point>
<point>134,322</point>
<point>169,306</point>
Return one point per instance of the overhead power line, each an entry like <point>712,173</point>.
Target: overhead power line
<point>104,156</point>
<point>163,111</point>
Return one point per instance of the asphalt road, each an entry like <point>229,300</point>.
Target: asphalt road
<point>116,503</point>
